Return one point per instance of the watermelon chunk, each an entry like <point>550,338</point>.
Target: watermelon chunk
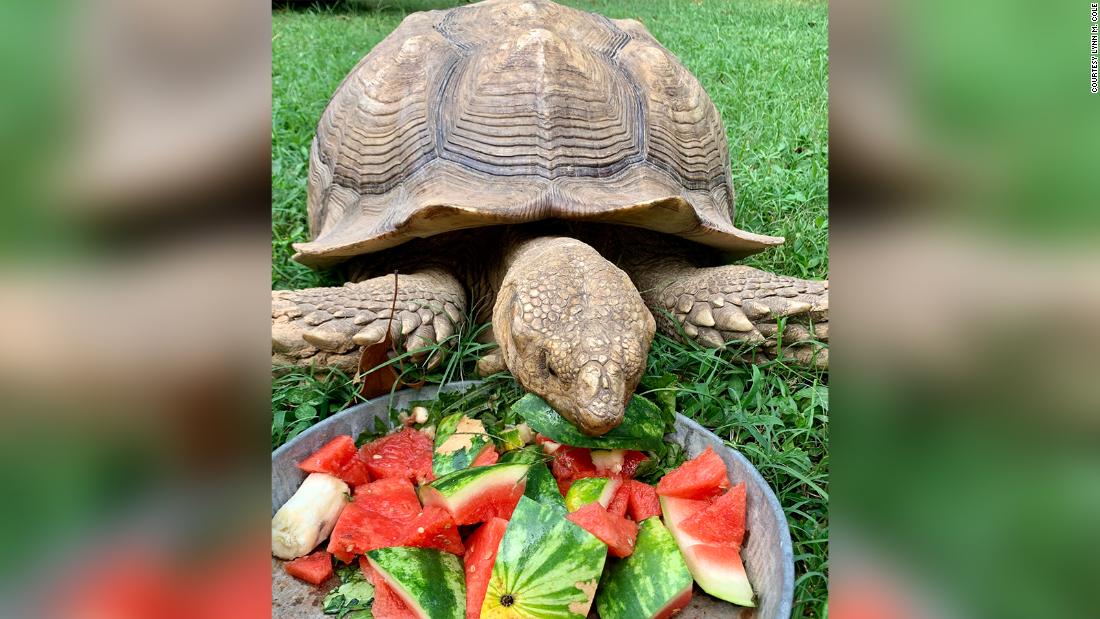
<point>592,490</point>
<point>643,500</point>
<point>722,522</point>
<point>481,552</point>
<point>652,583</point>
<point>487,456</point>
<point>406,454</point>
<point>355,472</point>
<point>459,442</point>
<point>434,528</point>
<point>699,478</point>
<point>621,501</point>
<point>477,494</point>
<point>631,461</point>
<point>430,583</point>
<point>330,458</point>
<point>676,511</point>
<point>379,516</point>
<point>617,532</point>
<point>314,569</point>
<point>717,569</point>
<point>546,566</point>
<point>572,463</point>
<point>388,605</point>
<point>719,572</point>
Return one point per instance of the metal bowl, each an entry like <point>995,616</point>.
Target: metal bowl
<point>766,554</point>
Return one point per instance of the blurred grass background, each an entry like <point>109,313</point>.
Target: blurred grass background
<point>765,64</point>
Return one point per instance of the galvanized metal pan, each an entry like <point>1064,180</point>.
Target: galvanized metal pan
<point>767,552</point>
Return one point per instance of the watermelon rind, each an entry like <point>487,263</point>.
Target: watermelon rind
<point>642,585</point>
<point>541,485</point>
<point>725,579</point>
<point>546,567</point>
<point>722,576</point>
<point>430,582</point>
<point>675,511</point>
<point>527,455</point>
<point>590,490</point>
<point>608,460</point>
<point>643,425</point>
<point>458,441</point>
<point>455,489</point>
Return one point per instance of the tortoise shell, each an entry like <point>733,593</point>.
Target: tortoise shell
<point>508,112</point>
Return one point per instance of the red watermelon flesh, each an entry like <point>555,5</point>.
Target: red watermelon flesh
<point>493,493</point>
<point>379,516</point>
<point>722,522</point>
<point>406,454</point>
<point>388,605</point>
<point>701,477</point>
<point>487,456</point>
<point>434,528</point>
<point>563,486</point>
<point>572,463</point>
<point>314,569</point>
<point>631,460</point>
<point>643,500</point>
<point>330,458</point>
<point>619,504</point>
<point>348,537</point>
<point>498,502</point>
<point>675,512</point>
<point>355,472</point>
<point>617,532</point>
<point>481,552</point>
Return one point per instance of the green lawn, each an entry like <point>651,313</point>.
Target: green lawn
<point>765,64</point>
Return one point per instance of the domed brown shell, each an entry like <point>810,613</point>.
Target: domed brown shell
<point>510,112</point>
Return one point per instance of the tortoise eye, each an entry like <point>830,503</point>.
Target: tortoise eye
<point>544,362</point>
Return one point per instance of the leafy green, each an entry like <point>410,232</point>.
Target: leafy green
<point>352,599</point>
<point>660,462</point>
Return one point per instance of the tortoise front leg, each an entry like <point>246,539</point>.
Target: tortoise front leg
<point>324,327</point>
<point>737,305</point>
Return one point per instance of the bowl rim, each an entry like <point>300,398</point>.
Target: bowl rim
<point>786,595</point>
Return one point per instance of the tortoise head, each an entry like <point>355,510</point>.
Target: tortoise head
<point>573,329</point>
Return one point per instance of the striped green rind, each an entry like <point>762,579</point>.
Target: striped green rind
<point>470,481</point>
<point>527,455</point>
<point>548,566</point>
<point>643,425</point>
<point>430,581</point>
<point>589,490</point>
<point>641,585</point>
<point>541,485</point>
<point>451,460</point>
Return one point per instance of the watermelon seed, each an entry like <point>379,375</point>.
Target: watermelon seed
<point>507,599</point>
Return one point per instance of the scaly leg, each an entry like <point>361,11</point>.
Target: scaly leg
<point>324,327</point>
<point>736,305</point>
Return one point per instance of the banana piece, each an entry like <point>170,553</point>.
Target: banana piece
<point>308,517</point>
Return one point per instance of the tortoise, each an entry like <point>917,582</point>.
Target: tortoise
<point>551,170</point>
